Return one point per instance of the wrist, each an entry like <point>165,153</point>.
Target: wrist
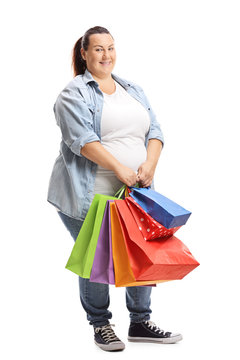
<point>151,163</point>
<point>116,165</point>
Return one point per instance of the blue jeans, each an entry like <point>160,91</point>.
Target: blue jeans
<point>95,296</point>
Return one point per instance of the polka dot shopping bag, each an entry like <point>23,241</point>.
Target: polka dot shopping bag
<point>160,208</point>
<point>149,228</point>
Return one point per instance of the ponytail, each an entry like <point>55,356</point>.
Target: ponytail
<point>79,65</point>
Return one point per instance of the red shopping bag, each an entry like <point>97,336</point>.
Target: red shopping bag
<point>123,273</point>
<point>165,259</point>
<point>150,228</point>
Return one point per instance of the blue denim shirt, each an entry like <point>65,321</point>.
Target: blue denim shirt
<point>78,110</point>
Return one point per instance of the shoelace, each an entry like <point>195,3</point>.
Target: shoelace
<point>155,328</point>
<point>107,333</point>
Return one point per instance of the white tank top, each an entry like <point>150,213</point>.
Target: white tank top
<point>124,125</point>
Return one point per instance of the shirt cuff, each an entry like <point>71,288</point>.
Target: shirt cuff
<point>81,141</point>
<point>155,135</point>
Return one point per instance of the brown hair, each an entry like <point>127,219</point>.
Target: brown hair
<point>78,63</point>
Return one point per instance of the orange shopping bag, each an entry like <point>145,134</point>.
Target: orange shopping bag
<point>123,272</point>
<point>161,259</point>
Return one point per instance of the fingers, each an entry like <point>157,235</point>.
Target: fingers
<point>133,180</point>
<point>144,181</point>
<point>145,174</point>
<point>144,178</point>
<point>146,184</point>
<point>127,176</point>
<point>130,178</point>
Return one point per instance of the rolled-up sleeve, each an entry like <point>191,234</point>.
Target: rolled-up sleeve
<point>155,131</point>
<point>75,120</point>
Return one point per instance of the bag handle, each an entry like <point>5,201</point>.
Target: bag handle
<point>135,186</point>
<point>138,187</point>
<point>120,192</point>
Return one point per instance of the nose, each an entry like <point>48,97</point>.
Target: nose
<point>106,55</point>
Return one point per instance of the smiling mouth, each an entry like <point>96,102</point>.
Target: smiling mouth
<point>105,63</point>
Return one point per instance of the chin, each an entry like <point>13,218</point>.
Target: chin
<point>106,71</point>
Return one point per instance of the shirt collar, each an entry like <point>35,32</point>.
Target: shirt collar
<point>87,78</point>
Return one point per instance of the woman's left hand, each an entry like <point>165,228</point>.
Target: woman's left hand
<point>145,174</point>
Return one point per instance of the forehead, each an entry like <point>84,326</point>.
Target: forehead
<point>100,39</point>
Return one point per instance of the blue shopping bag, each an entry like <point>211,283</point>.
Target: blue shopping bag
<point>162,209</point>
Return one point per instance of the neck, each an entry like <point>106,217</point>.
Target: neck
<point>103,79</point>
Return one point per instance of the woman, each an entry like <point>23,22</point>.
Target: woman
<point>110,137</point>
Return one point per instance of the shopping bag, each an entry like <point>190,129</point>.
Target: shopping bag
<point>102,269</point>
<point>161,209</point>
<point>123,272</point>
<point>165,259</point>
<point>82,255</point>
<point>150,228</point>
<point>127,192</point>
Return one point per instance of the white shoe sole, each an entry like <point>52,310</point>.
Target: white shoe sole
<point>111,347</point>
<point>170,340</point>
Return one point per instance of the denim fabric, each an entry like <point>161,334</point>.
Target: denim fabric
<point>95,296</point>
<point>78,111</point>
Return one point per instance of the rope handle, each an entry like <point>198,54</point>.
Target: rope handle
<point>120,192</point>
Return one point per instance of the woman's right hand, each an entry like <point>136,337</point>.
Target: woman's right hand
<point>95,152</point>
<point>126,175</point>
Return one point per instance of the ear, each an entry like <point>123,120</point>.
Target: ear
<point>83,53</point>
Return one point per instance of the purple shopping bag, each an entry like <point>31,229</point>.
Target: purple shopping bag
<point>102,269</point>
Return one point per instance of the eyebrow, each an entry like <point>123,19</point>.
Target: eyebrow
<point>102,46</point>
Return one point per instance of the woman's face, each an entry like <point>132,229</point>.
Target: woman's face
<point>100,56</point>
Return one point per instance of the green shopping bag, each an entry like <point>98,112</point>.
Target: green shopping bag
<point>81,259</point>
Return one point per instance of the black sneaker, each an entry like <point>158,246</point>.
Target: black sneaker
<point>148,331</point>
<point>106,339</point>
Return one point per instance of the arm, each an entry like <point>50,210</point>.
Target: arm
<point>75,120</point>
<point>147,169</point>
<point>95,152</point>
<point>155,142</point>
<point>76,124</point>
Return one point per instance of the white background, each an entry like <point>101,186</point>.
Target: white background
<point>185,54</point>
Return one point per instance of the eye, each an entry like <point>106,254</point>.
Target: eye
<point>111,48</point>
<point>99,49</point>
